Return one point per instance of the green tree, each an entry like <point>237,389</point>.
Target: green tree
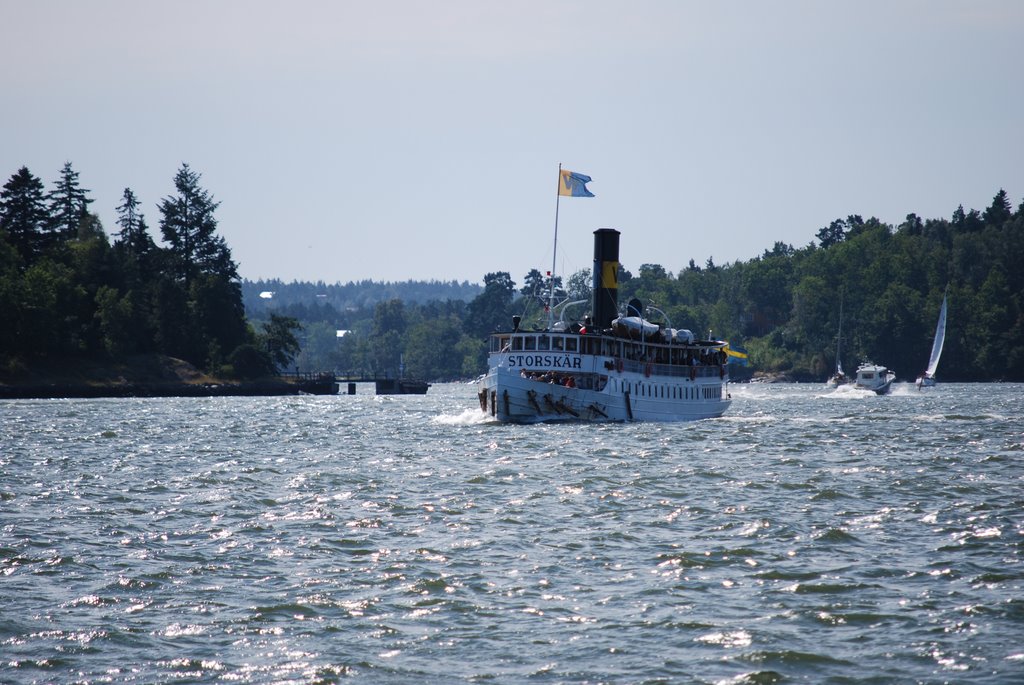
<point>490,310</point>
<point>10,299</point>
<point>814,323</point>
<point>92,261</point>
<point>534,285</point>
<point>24,216</point>
<point>209,307</point>
<point>432,349</point>
<point>189,228</point>
<point>996,316</point>
<point>50,297</point>
<point>999,211</point>
<point>578,286</point>
<point>134,235</point>
<point>249,362</point>
<point>215,305</point>
<point>473,352</point>
<point>319,346</point>
<point>389,326</point>
<point>278,340</point>
<point>115,315</point>
<point>834,233</point>
<point>69,204</point>
<point>174,333</point>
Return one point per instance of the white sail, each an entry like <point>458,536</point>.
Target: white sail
<point>940,337</point>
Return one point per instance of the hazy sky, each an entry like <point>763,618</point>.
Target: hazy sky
<point>394,140</point>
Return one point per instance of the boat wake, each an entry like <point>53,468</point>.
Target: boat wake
<point>905,389</point>
<point>468,417</point>
<point>848,391</point>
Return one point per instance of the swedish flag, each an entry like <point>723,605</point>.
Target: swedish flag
<point>572,184</point>
<point>736,356</point>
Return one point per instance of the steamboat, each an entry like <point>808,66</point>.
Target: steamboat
<point>610,366</point>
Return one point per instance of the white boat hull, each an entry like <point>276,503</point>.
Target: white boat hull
<point>875,378</point>
<point>509,397</point>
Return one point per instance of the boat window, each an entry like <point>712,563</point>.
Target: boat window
<point>558,343</point>
<point>517,343</point>
<point>570,344</point>
<point>530,342</point>
<point>543,342</point>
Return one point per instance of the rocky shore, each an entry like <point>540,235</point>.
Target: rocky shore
<point>148,376</point>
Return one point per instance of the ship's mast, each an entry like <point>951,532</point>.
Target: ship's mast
<point>554,257</point>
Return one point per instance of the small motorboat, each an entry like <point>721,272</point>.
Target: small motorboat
<point>874,377</point>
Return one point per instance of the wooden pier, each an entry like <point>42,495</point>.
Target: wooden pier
<point>384,384</point>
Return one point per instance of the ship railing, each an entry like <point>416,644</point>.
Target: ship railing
<point>675,370</point>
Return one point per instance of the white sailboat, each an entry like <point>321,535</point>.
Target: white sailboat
<point>839,378</point>
<point>927,379</point>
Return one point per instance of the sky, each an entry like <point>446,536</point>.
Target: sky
<point>399,139</point>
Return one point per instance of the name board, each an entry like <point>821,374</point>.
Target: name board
<point>545,361</point>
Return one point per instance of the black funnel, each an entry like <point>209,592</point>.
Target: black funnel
<point>606,277</point>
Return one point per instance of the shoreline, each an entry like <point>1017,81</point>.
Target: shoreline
<point>149,376</point>
<point>52,391</point>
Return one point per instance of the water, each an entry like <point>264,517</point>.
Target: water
<point>811,535</point>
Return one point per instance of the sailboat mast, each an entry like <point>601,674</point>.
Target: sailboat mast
<point>839,338</point>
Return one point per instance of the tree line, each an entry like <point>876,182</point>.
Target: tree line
<point>783,307</point>
<point>67,291</point>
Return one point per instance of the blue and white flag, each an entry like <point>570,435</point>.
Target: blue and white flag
<point>572,184</point>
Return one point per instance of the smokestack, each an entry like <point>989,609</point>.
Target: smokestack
<point>606,277</point>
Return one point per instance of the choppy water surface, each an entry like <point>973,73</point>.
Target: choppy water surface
<point>811,535</point>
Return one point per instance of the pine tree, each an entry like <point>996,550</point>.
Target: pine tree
<point>189,227</point>
<point>68,204</point>
<point>1000,210</point>
<point>24,215</point>
<point>203,272</point>
<point>134,234</point>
